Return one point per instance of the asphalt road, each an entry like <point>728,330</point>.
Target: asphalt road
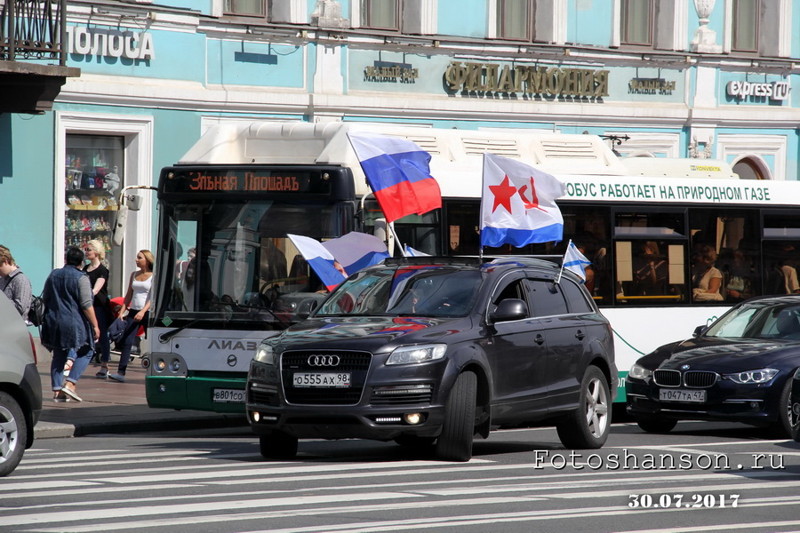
<point>701,477</point>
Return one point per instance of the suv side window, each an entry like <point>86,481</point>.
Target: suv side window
<point>576,299</point>
<point>514,289</point>
<point>546,298</point>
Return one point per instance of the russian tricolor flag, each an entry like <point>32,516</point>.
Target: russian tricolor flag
<point>398,172</point>
<point>319,259</point>
<point>355,250</point>
<point>518,205</point>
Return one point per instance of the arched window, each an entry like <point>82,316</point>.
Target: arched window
<point>748,169</point>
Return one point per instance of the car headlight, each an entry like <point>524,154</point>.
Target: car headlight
<point>752,377</point>
<point>639,372</point>
<point>408,355</point>
<point>265,354</point>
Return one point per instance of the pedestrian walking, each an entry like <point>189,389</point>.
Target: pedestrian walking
<point>14,283</point>
<point>135,309</point>
<point>70,326</point>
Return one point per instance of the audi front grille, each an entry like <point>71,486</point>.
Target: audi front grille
<point>325,361</point>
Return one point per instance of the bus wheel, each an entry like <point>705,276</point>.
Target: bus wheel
<point>278,445</point>
<point>455,442</point>
<point>588,426</point>
<point>656,425</point>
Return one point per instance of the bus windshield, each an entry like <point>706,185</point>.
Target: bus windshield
<point>231,263</point>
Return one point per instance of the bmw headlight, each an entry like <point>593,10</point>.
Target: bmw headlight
<point>752,377</point>
<point>639,372</point>
<point>265,354</point>
<point>408,355</point>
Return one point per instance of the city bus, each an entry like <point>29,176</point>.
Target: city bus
<point>228,276</point>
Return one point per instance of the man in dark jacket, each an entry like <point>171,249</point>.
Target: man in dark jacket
<point>70,325</point>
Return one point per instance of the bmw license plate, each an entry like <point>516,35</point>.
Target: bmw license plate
<point>321,379</point>
<point>682,395</point>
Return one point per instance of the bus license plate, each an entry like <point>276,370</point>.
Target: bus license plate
<point>681,395</point>
<point>321,379</point>
<point>228,396</point>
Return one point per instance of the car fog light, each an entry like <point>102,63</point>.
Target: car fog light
<point>256,416</point>
<point>412,418</point>
<point>175,365</point>
<point>161,365</point>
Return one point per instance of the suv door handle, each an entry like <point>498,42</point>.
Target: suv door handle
<point>538,339</point>
<point>580,335</point>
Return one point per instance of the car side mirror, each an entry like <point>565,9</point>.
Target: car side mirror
<point>509,309</point>
<point>699,330</point>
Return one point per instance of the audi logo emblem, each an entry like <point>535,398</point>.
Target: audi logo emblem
<point>323,360</point>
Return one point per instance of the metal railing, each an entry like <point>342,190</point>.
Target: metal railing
<point>33,29</point>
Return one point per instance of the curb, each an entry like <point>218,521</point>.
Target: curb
<point>53,430</point>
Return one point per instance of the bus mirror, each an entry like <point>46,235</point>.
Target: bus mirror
<point>383,232</point>
<point>119,225</point>
<point>133,201</point>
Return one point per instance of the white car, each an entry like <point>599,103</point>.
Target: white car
<point>20,387</point>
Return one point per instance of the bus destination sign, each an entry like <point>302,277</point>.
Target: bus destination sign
<point>245,181</point>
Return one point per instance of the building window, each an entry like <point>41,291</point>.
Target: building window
<point>380,14</point>
<point>746,16</point>
<point>637,22</point>
<point>93,178</point>
<point>514,19</point>
<point>748,169</point>
<point>254,8</point>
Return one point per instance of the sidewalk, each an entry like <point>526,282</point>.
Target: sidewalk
<point>112,407</point>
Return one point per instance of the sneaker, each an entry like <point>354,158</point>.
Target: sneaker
<point>71,394</point>
<point>117,377</point>
<point>102,373</point>
<point>61,398</point>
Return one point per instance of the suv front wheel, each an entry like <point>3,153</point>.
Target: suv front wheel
<point>455,441</point>
<point>588,426</point>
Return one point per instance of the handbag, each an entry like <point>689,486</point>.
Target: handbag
<point>116,330</point>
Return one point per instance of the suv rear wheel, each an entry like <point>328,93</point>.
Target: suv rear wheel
<point>455,442</point>
<point>13,431</point>
<point>588,426</point>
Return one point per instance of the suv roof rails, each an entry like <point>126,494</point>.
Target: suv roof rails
<point>473,259</point>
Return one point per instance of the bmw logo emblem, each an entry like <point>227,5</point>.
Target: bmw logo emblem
<point>684,367</point>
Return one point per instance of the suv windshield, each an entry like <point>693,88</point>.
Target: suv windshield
<point>435,291</point>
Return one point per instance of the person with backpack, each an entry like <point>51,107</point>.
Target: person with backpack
<point>70,327</point>
<point>14,283</point>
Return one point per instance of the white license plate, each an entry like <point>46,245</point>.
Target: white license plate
<point>321,379</point>
<point>682,395</point>
<point>228,396</point>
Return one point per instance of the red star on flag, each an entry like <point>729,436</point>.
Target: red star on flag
<point>502,194</point>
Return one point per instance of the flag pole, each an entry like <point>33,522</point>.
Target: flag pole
<point>397,239</point>
<point>563,259</point>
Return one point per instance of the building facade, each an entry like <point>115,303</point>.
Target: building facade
<point>668,78</point>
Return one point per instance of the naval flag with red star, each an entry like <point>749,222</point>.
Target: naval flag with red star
<point>518,205</point>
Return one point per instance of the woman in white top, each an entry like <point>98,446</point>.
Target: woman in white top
<point>137,305</point>
<point>707,279</point>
